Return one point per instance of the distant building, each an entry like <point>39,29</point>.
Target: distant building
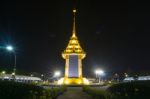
<point>144,78</point>
<point>140,78</point>
<point>20,78</point>
<point>127,79</point>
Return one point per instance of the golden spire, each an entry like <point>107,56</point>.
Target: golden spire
<point>74,24</point>
<point>74,45</point>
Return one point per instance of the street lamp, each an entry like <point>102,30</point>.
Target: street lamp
<point>99,73</point>
<point>3,72</point>
<point>125,74</point>
<point>31,75</point>
<point>13,74</point>
<point>11,49</point>
<point>57,73</point>
<point>42,75</point>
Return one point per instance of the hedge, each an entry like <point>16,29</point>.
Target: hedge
<point>131,90</point>
<point>14,90</point>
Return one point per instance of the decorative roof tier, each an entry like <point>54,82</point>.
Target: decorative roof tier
<point>74,45</point>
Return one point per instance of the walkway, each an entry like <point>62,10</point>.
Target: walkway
<point>74,93</point>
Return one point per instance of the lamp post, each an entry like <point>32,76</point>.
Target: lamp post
<point>99,73</point>
<point>57,74</point>
<point>11,49</point>
<point>125,74</point>
<point>2,74</point>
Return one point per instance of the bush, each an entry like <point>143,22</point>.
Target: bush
<point>14,90</point>
<point>131,90</point>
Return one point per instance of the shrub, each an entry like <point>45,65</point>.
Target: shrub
<point>14,90</point>
<point>131,90</point>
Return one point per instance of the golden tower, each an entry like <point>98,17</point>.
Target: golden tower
<point>73,55</point>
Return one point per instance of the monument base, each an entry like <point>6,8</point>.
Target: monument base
<point>73,81</point>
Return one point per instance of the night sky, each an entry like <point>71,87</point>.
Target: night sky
<point>114,34</point>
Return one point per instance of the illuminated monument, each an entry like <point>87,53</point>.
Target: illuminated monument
<point>73,55</point>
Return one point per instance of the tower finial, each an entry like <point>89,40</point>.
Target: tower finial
<point>74,25</point>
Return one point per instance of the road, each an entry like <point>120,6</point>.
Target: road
<point>74,93</point>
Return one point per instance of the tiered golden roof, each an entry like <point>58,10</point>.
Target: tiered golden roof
<point>74,45</point>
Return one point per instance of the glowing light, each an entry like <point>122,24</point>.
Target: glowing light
<point>3,72</point>
<point>67,82</point>
<point>86,81</point>
<point>70,46</point>
<point>78,50</point>
<point>74,41</point>
<point>68,50</point>
<point>74,11</point>
<point>126,75</point>
<point>13,73</point>
<point>99,72</point>
<point>57,74</point>
<point>60,81</point>
<point>77,47</point>
<point>42,75</point>
<point>79,82</point>
<point>9,48</point>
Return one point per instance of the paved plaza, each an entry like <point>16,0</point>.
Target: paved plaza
<point>74,93</point>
